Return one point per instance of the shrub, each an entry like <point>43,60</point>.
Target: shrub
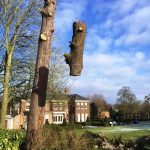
<point>56,137</point>
<point>89,134</point>
<point>11,139</point>
<point>64,121</point>
<point>46,122</point>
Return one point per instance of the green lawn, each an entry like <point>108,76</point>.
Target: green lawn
<point>126,133</point>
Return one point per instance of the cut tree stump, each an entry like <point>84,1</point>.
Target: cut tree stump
<point>75,58</point>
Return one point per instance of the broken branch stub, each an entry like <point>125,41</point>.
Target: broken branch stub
<point>75,58</point>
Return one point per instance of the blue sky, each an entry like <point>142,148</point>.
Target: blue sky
<point>117,44</point>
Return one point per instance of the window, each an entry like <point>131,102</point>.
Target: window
<point>54,118</point>
<point>55,106</point>
<point>58,119</point>
<point>82,117</point>
<point>82,106</point>
<point>85,105</point>
<point>60,106</point>
<point>78,105</point>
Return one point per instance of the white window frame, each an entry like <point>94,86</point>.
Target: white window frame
<point>85,105</point>
<point>82,117</point>
<point>58,119</point>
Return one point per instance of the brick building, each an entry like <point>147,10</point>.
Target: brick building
<point>56,111</point>
<point>79,108</point>
<point>71,108</point>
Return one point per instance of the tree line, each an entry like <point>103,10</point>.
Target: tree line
<point>20,28</point>
<point>126,109</point>
<point>129,108</point>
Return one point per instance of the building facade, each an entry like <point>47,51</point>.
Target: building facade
<point>79,108</point>
<point>56,111</point>
<point>74,108</point>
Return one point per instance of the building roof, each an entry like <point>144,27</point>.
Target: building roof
<point>76,97</point>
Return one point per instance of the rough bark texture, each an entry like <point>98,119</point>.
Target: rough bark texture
<point>75,58</point>
<point>3,110</point>
<point>38,100</point>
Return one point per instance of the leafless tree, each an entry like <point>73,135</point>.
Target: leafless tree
<point>15,23</point>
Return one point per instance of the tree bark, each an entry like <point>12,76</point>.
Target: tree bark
<point>8,59</point>
<point>38,99</point>
<point>75,58</point>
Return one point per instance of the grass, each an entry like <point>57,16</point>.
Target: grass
<point>111,132</point>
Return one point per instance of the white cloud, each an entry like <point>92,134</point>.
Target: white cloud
<point>139,56</point>
<point>106,73</point>
<point>67,13</point>
<point>125,27</point>
<point>126,21</point>
<point>95,41</point>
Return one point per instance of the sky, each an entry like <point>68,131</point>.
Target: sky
<point>116,52</point>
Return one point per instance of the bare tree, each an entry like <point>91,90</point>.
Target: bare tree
<point>126,99</point>
<point>127,103</point>
<point>15,21</point>
<point>146,106</point>
<point>58,75</point>
<point>100,104</point>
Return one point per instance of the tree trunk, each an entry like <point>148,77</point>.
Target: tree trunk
<point>8,59</point>
<point>38,99</point>
<point>75,58</point>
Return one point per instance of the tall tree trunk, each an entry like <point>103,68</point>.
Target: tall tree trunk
<point>8,59</point>
<point>38,99</point>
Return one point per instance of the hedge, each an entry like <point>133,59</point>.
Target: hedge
<point>11,139</point>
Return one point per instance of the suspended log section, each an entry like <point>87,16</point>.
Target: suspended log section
<point>75,58</point>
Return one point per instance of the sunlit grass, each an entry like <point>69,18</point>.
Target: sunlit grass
<point>111,132</point>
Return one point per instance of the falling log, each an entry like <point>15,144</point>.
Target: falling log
<point>75,58</point>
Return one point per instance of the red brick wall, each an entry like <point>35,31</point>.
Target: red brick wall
<point>82,109</point>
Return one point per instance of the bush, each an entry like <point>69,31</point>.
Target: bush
<point>46,122</point>
<point>64,121</point>
<point>89,134</point>
<point>56,137</point>
<point>11,139</point>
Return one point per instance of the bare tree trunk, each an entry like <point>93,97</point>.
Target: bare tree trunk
<point>38,100</point>
<point>75,58</point>
<point>8,59</point>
